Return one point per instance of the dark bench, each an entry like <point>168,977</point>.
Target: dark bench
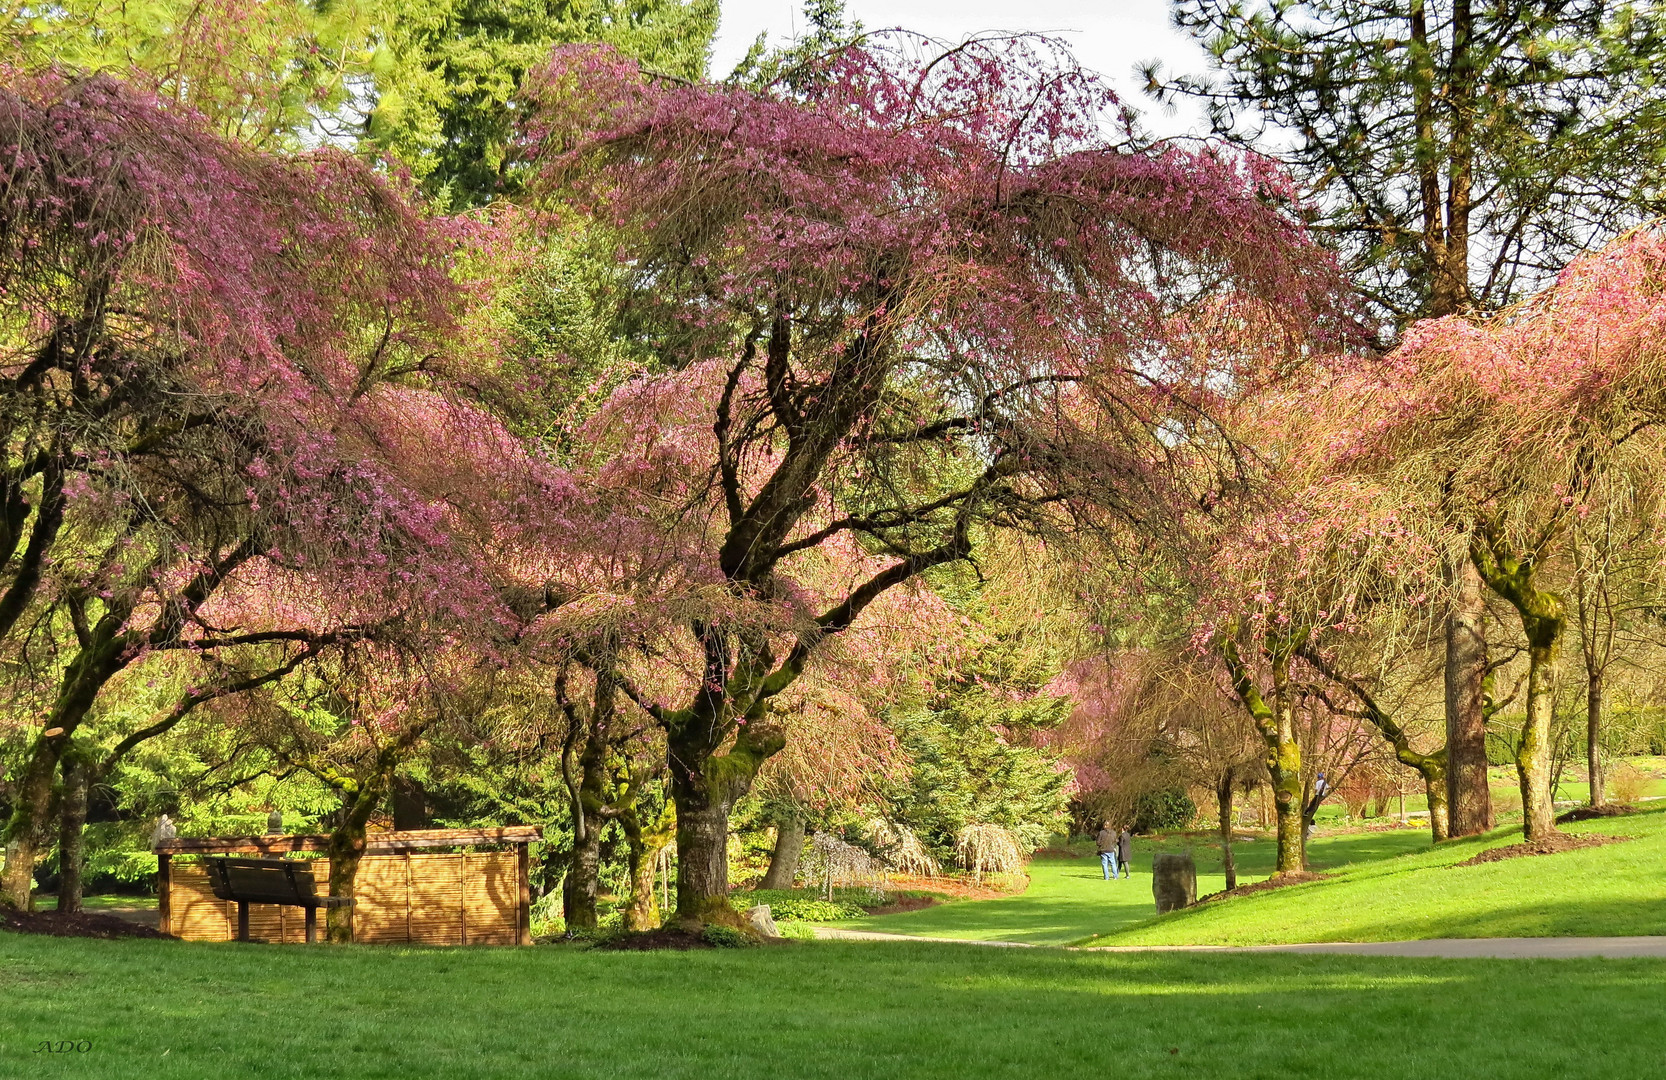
<point>270,881</point>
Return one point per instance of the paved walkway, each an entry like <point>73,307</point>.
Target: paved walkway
<point>1555,948</point>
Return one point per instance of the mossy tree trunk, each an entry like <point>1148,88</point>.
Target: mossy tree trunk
<point>346,848</point>
<point>1275,720</point>
<point>645,839</point>
<point>706,777</point>
<point>789,846</point>
<point>361,796</point>
<point>1543,619</point>
<point>584,766</point>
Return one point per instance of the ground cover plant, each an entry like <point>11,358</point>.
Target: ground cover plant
<point>172,1010</point>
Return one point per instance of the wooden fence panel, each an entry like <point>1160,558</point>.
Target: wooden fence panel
<point>492,897</point>
<point>436,899</point>
<point>381,909</point>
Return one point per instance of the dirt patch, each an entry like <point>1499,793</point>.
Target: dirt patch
<point>90,924</point>
<point>1550,845</point>
<point>1592,813</point>
<point>666,937</point>
<point>902,904</point>
<point>1294,877</point>
<point>960,888</point>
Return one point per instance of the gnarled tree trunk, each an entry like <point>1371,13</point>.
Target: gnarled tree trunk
<point>346,849</point>
<point>584,766</point>
<point>1276,721</point>
<point>1533,754</point>
<point>1543,618</point>
<point>645,843</point>
<point>702,850</point>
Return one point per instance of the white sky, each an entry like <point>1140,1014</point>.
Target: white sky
<point>1110,36</point>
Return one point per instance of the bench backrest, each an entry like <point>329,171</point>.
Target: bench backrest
<point>262,881</point>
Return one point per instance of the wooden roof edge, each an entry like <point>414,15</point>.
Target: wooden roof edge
<point>410,840</point>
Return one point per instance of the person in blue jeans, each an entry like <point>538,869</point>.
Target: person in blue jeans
<point>1106,841</point>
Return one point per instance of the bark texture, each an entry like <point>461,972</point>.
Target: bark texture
<point>1223,803</point>
<point>72,820</point>
<point>1468,799</point>
<point>1595,769</point>
<point>1276,721</point>
<point>783,861</point>
<point>1543,620</point>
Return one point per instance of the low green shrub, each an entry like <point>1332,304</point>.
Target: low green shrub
<point>727,937</point>
<point>797,931</point>
<point>1163,810</point>
<point>797,905</point>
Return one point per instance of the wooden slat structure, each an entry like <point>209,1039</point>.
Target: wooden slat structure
<point>406,891</point>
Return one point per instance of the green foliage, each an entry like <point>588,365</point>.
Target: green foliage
<point>796,931</point>
<point>727,937</point>
<point>970,753</point>
<point>1442,139</point>
<point>262,72</point>
<point>796,904</point>
<point>448,73</point>
<point>828,30</point>
<point>1163,810</point>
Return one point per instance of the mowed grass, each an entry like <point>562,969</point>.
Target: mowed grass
<point>1619,889</point>
<point>1069,900</point>
<point>158,1009</point>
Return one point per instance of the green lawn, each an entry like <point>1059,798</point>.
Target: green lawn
<point>1615,890</point>
<point>887,1011</point>
<point>1386,886</point>
<point>1068,899</point>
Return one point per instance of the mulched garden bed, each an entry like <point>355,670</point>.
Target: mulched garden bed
<point>1592,813</point>
<point>958,888</point>
<point>901,904</point>
<point>1550,845</point>
<point>1294,877</point>
<point>90,924</point>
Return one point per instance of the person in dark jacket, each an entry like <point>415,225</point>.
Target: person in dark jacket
<point>1125,853</point>
<point>1107,850</point>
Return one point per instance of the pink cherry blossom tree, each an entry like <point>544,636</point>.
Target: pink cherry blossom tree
<point>904,297</point>
<point>1511,428</point>
<point>211,360</point>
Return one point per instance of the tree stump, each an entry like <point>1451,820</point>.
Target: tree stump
<point>1173,881</point>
